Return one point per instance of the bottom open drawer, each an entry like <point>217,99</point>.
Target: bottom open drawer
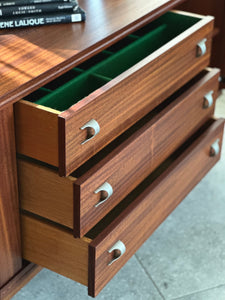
<point>94,259</point>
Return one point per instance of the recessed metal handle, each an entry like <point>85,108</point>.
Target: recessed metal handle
<point>201,48</point>
<point>93,129</point>
<point>107,189</point>
<point>208,100</point>
<point>119,248</point>
<point>215,148</point>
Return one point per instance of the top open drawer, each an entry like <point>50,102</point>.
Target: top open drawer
<point>72,118</point>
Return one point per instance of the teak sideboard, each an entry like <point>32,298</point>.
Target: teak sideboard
<point>105,127</point>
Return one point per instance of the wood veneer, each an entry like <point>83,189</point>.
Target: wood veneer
<point>127,165</point>
<point>132,222</point>
<point>130,94</point>
<point>28,271</point>
<point>140,219</point>
<point>216,9</point>
<point>71,201</point>
<point>34,56</point>
<point>10,248</point>
<point>55,248</point>
<point>23,50</point>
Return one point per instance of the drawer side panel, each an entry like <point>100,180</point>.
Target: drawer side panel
<point>55,249</point>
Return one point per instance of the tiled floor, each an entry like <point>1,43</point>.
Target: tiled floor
<point>184,259</point>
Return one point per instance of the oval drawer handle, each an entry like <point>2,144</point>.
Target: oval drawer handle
<point>92,125</point>
<point>107,188</point>
<point>215,148</point>
<point>208,100</point>
<point>119,248</point>
<point>201,48</point>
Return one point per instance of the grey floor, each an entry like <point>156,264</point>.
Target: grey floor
<point>184,259</point>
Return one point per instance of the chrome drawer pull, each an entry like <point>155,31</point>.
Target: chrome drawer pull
<point>201,48</point>
<point>215,148</point>
<point>119,248</point>
<point>93,129</point>
<point>107,188</point>
<point>208,100</point>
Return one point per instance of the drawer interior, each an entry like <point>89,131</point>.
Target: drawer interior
<point>94,73</point>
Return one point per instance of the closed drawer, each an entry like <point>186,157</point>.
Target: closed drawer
<point>84,198</point>
<point>94,259</point>
<point>85,109</point>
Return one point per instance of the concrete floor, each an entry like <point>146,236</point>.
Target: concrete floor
<point>184,259</point>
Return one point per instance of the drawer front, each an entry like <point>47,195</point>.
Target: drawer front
<point>125,167</point>
<point>138,221</point>
<point>115,105</point>
<point>87,260</point>
<point>74,202</point>
<point>128,97</point>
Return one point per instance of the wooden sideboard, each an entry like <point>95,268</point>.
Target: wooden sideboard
<point>33,57</point>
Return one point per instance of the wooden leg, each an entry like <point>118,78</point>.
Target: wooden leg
<point>10,243</point>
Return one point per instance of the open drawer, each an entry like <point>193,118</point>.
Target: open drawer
<point>72,118</point>
<point>87,195</point>
<point>94,259</point>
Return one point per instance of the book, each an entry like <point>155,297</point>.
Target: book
<point>28,2</point>
<point>34,9</point>
<point>42,20</point>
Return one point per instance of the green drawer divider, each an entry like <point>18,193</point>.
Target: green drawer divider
<point>78,83</point>
<point>132,54</point>
<point>45,90</point>
<point>125,42</point>
<point>135,37</point>
<point>73,91</point>
<point>168,26</point>
<point>107,79</point>
<point>63,79</point>
<point>36,95</point>
<point>107,52</point>
<point>79,70</point>
<point>92,62</point>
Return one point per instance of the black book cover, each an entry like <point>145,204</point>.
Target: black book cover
<point>35,9</point>
<point>38,20</point>
<point>28,2</point>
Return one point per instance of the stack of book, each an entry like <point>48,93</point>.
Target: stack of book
<point>22,13</point>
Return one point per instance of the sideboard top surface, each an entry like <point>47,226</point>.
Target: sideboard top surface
<point>31,57</point>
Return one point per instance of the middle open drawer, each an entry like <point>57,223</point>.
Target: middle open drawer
<point>84,198</point>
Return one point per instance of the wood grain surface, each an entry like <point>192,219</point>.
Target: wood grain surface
<point>216,9</point>
<point>10,249</point>
<point>55,248</point>
<point>71,202</point>
<point>36,130</point>
<point>127,165</point>
<point>131,94</point>
<point>139,220</point>
<point>44,193</point>
<point>31,57</point>
<point>28,271</point>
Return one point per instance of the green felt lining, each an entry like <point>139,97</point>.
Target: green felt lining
<point>78,83</point>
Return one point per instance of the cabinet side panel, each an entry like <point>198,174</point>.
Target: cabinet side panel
<point>10,250</point>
